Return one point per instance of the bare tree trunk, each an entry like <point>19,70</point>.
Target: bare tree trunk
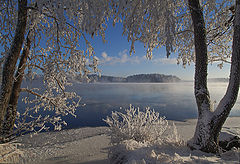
<point>11,113</point>
<point>210,122</point>
<point>11,60</point>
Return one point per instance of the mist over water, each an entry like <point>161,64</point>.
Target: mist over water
<point>176,101</point>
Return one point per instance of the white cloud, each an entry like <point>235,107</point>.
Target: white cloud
<point>106,58</point>
<point>104,55</point>
<point>164,60</point>
<point>160,60</point>
<point>122,58</point>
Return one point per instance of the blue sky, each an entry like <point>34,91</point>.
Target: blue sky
<point>115,59</point>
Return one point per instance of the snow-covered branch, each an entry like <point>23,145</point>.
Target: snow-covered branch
<point>168,23</point>
<point>57,29</point>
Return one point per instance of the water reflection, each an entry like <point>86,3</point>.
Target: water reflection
<point>174,100</point>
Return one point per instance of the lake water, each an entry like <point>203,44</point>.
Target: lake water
<point>174,100</point>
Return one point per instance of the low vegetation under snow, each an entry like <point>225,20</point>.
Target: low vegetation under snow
<point>145,137</point>
<point>135,137</point>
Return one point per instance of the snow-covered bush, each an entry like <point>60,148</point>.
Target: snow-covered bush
<point>135,135</point>
<point>140,126</point>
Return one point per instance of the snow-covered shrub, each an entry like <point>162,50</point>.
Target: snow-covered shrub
<point>135,135</point>
<point>140,126</point>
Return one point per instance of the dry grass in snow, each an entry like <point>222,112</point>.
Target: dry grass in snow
<point>9,153</point>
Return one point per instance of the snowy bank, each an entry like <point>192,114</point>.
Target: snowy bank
<point>83,145</point>
<point>133,152</point>
<point>90,145</point>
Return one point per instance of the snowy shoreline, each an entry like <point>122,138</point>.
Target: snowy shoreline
<point>90,145</point>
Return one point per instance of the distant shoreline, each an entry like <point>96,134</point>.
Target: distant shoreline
<point>139,78</point>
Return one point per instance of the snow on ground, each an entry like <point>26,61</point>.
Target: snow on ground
<point>90,146</point>
<point>83,145</point>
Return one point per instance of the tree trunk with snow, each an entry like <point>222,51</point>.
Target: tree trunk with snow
<point>11,61</point>
<point>210,122</point>
<point>11,112</point>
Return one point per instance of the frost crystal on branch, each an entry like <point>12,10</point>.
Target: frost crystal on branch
<point>146,127</point>
<point>168,23</point>
<point>137,134</point>
<point>56,35</point>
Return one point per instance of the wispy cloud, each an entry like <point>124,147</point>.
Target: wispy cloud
<point>161,60</point>
<point>123,57</point>
<point>164,60</point>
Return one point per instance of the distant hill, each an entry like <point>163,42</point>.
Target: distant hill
<point>140,78</point>
<point>153,78</point>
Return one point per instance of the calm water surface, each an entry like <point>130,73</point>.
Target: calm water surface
<point>174,100</point>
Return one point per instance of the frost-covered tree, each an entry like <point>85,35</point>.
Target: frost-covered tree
<point>47,37</point>
<point>198,31</point>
